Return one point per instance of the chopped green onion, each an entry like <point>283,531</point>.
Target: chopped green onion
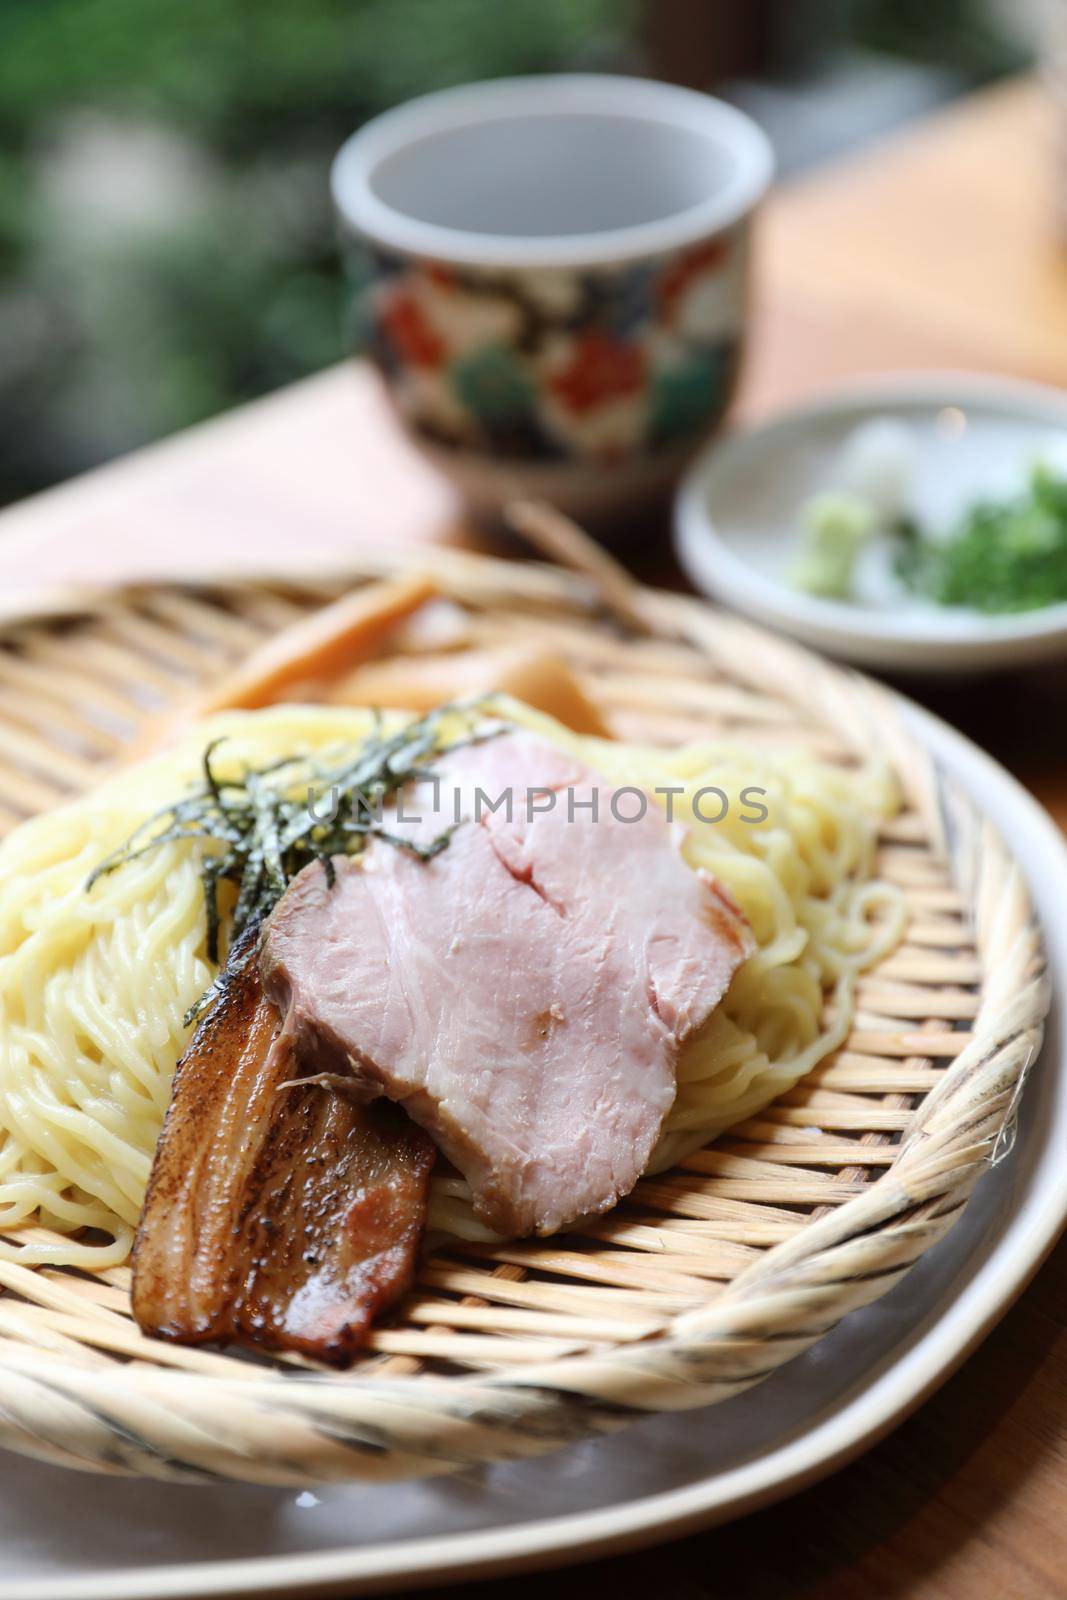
<point>1003,556</point>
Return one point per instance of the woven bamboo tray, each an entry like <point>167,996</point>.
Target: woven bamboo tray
<point>707,1278</point>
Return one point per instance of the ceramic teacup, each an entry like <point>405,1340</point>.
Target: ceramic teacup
<point>551,273</point>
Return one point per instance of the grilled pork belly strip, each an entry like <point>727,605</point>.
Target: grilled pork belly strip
<point>283,1217</point>
<point>523,994</point>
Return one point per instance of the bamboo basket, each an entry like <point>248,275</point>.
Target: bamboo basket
<point>706,1279</point>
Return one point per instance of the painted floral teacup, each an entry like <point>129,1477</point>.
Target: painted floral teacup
<point>551,273</point>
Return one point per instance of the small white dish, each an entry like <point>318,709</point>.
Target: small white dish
<point>737,517</point>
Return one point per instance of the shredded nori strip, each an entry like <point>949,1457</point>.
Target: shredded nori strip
<point>268,824</point>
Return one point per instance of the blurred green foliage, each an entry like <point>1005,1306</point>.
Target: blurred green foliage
<point>967,40</point>
<point>954,34</point>
<point>166,242</point>
<point>958,34</point>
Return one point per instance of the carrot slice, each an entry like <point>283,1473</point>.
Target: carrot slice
<point>418,683</point>
<point>319,646</point>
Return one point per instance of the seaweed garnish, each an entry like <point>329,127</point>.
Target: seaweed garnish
<point>265,825</point>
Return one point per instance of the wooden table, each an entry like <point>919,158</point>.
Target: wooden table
<point>938,248</point>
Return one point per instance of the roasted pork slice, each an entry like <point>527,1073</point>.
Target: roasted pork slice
<point>523,993</point>
<point>287,1217</point>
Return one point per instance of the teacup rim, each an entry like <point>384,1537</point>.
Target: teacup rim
<point>367,214</point>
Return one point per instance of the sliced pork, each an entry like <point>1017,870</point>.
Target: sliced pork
<point>287,1217</point>
<point>524,993</point>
